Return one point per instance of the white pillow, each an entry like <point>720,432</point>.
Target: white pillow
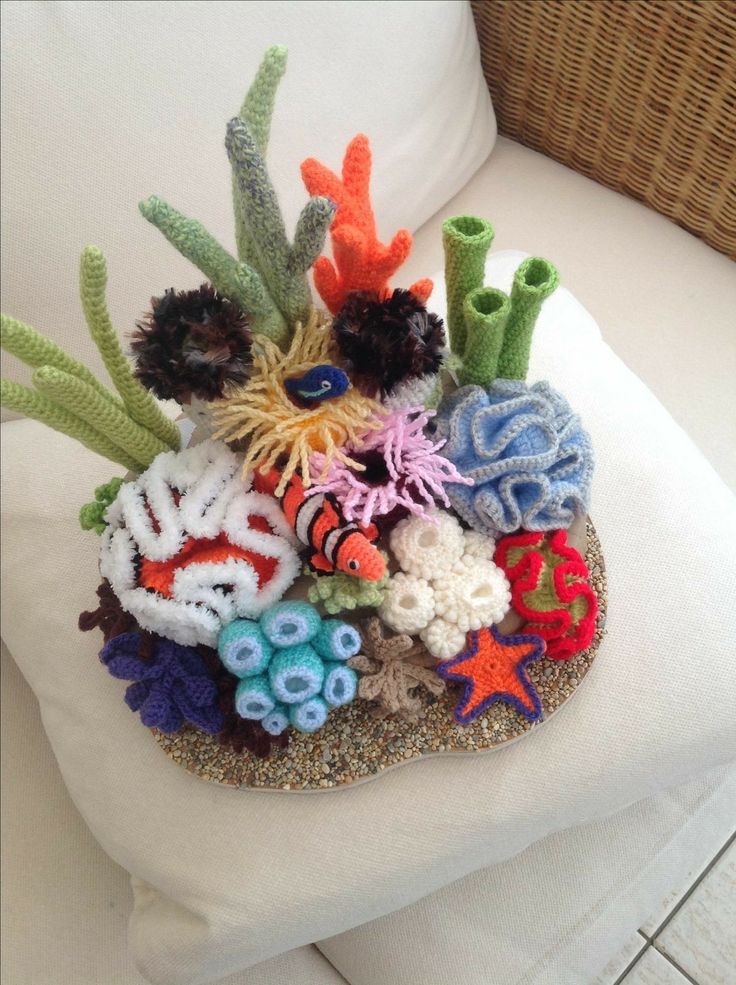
<point>106,103</point>
<point>226,878</point>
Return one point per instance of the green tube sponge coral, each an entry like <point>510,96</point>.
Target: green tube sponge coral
<point>253,698</point>
<point>41,408</point>
<point>534,281</point>
<point>139,403</point>
<point>236,281</point>
<point>466,240</point>
<point>486,310</point>
<point>92,515</point>
<point>84,401</point>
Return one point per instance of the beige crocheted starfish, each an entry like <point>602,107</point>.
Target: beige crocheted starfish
<point>393,668</point>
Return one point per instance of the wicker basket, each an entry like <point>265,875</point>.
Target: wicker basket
<point>638,94</point>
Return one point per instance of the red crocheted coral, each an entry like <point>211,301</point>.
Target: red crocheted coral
<point>362,263</point>
<point>550,588</point>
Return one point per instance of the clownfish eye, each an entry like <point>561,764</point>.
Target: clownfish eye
<point>353,564</point>
<point>326,385</point>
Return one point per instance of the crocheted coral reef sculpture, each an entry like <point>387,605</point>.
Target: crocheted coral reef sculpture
<point>446,587</point>
<point>291,665</point>
<point>527,453</point>
<point>402,470</point>
<point>362,263</point>
<point>170,688</point>
<point>189,546</point>
<point>192,344</point>
<point>493,668</point>
<point>395,671</point>
<point>264,414</point>
<point>388,342</point>
<point>550,588</point>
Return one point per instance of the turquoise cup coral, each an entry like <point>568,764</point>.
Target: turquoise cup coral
<point>292,665</point>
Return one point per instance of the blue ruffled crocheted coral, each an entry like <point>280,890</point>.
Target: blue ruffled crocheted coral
<point>525,449</point>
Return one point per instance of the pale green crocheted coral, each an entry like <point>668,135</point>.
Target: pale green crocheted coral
<point>466,240</point>
<point>92,515</point>
<point>269,280</point>
<point>486,311</point>
<point>131,431</point>
<point>338,592</point>
<point>534,281</point>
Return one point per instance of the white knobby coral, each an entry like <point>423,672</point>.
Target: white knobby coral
<point>448,583</point>
<point>408,604</point>
<point>189,547</point>
<point>427,550</point>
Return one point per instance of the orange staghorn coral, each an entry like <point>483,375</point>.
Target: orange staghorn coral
<point>362,263</point>
<point>262,413</point>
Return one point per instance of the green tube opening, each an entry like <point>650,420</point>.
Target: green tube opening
<point>539,274</point>
<point>487,300</point>
<point>468,227</point>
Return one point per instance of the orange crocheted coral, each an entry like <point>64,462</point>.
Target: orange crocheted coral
<point>362,263</point>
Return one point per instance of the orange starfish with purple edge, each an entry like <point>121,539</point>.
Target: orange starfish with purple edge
<point>493,667</point>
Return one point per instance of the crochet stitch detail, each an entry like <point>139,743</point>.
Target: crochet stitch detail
<point>92,515</point>
<point>466,240</point>
<point>493,668</point>
<point>362,263</point>
<point>402,469</point>
<point>550,588</point>
<point>529,457</point>
<point>393,669</point>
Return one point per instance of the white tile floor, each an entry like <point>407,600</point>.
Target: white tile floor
<point>691,938</point>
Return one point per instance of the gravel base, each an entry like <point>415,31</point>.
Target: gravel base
<point>354,745</point>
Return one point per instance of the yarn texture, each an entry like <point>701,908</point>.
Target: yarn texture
<point>92,515</point>
<point>493,668</point>
<point>466,240</point>
<point>339,592</point>
<point>530,459</point>
<point>362,263</point>
<point>534,281</point>
<point>395,671</point>
<point>401,470</point>
<point>550,588</point>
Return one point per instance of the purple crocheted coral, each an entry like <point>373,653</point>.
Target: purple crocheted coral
<point>402,470</point>
<point>170,688</point>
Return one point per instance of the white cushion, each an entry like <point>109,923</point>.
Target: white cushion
<point>107,102</point>
<point>233,877</point>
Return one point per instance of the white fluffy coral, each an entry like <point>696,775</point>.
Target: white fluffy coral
<point>448,583</point>
<point>426,549</point>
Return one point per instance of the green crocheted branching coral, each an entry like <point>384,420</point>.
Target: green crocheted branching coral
<point>269,278</point>
<point>490,332</point>
<point>129,429</point>
<point>92,515</point>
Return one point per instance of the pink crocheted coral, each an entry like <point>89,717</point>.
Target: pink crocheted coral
<point>402,470</point>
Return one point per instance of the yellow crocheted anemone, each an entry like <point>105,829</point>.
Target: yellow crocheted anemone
<point>262,413</point>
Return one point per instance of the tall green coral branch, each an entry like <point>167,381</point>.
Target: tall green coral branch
<point>466,240</point>
<point>238,282</point>
<point>139,403</point>
<point>283,266</point>
<point>535,279</point>
<point>84,401</point>
<point>25,401</point>
<point>36,350</point>
<point>256,111</point>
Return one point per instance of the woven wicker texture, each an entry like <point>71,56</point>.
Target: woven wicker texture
<point>638,94</point>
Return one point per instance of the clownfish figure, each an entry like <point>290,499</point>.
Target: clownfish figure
<point>322,382</point>
<point>319,523</point>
